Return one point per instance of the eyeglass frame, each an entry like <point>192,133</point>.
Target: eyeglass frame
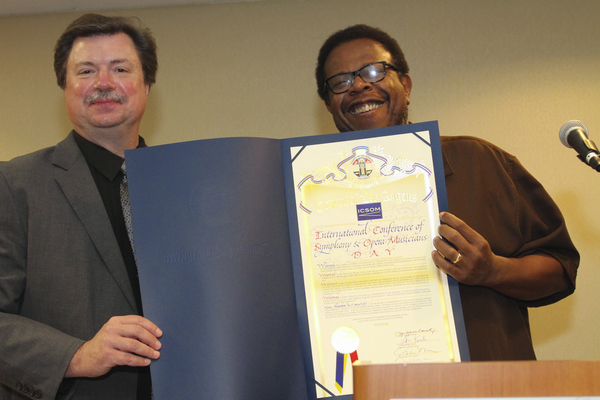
<point>357,72</point>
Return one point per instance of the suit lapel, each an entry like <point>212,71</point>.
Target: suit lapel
<point>74,177</point>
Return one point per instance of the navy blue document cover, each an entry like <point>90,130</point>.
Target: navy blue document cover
<point>217,247</point>
<point>215,269</point>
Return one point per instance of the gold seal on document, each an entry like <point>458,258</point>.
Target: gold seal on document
<point>345,340</point>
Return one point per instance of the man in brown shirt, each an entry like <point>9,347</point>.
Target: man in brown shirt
<point>507,243</point>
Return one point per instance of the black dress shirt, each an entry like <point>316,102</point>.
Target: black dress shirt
<point>106,171</point>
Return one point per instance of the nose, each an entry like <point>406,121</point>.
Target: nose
<point>104,80</point>
<point>359,85</point>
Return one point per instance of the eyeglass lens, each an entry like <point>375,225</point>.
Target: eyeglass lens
<point>369,73</point>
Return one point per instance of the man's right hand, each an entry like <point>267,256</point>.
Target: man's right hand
<point>129,340</point>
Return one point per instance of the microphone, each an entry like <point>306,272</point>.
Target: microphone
<point>574,134</point>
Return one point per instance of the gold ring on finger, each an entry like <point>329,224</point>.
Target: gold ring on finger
<point>457,259</point>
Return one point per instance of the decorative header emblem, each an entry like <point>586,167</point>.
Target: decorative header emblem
<point>362,162</point>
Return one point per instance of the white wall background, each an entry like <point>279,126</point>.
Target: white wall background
<point>511,72</point>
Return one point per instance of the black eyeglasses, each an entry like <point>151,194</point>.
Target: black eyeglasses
<point>371,73</point>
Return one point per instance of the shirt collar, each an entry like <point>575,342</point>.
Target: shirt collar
<point>447,167</point>
<point>108,163</point>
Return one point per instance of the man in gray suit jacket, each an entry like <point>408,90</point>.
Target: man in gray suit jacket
<point>70,310</point>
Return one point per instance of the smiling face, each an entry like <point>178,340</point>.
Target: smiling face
<point>366,105</point>
<point>105,93</point>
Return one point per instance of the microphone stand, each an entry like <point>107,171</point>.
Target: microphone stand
<point>594,160</point>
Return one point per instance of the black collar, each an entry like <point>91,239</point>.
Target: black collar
<point>106,162</point>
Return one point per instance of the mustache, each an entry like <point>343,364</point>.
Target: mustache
<point>104,95</point>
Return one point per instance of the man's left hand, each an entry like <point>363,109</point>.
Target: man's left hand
<point>467,256</point>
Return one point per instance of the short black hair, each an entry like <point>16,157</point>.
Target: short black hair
<point>360,31</point>
<point>89,25</point>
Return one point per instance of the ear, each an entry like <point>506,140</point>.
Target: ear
<point>407,83</point>
<point>147,89</point>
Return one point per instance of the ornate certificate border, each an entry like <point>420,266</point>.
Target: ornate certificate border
<point>363,209</point>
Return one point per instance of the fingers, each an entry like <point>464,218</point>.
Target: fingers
<point>136,327</point>
<point>459,229</point>
<point>450,260</point>
<point>445,250</point>
<point>459,237</point>
<point>125,340</point>
<point>464,254</point>
<point>133,334</point>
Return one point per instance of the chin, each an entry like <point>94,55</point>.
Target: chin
<point>380,120</point>
<point>372,125</point>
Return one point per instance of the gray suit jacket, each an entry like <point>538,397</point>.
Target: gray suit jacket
<point>62,276</point>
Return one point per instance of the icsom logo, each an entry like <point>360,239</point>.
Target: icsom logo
<point>369,211</point>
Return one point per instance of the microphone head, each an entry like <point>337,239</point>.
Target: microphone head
<point>568,127</point>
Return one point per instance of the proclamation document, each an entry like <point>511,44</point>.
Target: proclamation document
<point>273,264</point>
<point>367,210</point>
